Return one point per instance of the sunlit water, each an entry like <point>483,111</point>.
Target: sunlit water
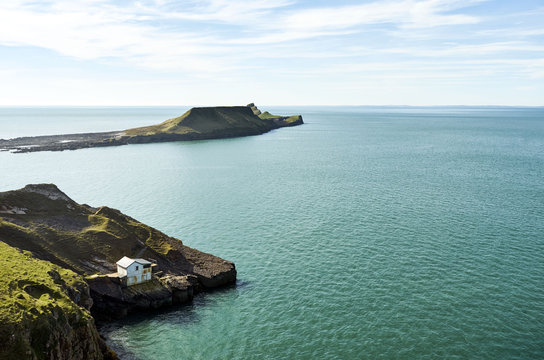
<point>367,233</point>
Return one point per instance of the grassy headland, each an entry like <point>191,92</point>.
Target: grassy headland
<point>196,124</point>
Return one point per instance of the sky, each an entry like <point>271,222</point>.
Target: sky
<point>271,52</point>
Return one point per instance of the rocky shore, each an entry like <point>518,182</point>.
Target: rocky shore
<point>196,124</point>
<point>57,258</point>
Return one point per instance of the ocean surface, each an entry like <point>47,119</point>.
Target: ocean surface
<point>367,233</point>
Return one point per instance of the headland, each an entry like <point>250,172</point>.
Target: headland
<point>198,123</point>
<point>58,273</point>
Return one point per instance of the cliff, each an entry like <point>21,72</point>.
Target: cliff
<point>44,311</point>
<point>196,124</point>
<point>82,244</point>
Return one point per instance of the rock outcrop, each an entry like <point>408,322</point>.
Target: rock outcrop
<point>113,300</point>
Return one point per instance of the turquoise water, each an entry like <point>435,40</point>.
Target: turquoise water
<point>367,233</point>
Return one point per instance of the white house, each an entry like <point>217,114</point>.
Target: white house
<point>136,271</point>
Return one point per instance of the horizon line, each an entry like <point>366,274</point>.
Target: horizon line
<point>273,105</point>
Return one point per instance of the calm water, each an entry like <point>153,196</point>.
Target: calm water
<point>368,233</point>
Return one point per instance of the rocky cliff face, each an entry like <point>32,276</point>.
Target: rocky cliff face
<point>114,301</point>
<point>44,311</point>
<point>47,294</point>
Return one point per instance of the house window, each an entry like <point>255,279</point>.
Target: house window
<point>136,268</point>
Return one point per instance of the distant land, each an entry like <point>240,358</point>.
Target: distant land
<point>198,123</point>
<point>58,263</point>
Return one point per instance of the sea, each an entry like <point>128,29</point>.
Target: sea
<point>366,233</point>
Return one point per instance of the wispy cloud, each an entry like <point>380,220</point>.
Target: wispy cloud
<point>228,40</point>
<point>223,11</point>
<point>341,20</point>
<point>470,50</point>
<point>136,33</point>
<point>408,13</point>
<point>101,29</point>
<point>89,31</point>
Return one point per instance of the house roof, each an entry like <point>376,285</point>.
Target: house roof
<point>125,262</point>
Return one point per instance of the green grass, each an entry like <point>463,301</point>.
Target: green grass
<point>30,286</point>
<point>121,231</point>
<point>36,300</point>
<point>267,115</point>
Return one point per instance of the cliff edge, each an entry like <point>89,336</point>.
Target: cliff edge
<point>44,311</point>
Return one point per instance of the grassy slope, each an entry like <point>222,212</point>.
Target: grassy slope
<point>267,115</point>
<point>30,287</point>
<point>72,235</point>
<point>205,120</point>
<point>88,240</point>
<point>35,302</point>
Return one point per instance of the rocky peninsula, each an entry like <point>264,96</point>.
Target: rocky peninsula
<point>57,267</point>
<point>198,123</point>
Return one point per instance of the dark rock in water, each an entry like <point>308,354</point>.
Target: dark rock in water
<point>198,123</point>
<point>114,300</point>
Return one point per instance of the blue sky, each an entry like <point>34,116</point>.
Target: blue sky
<point>271,52</point>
